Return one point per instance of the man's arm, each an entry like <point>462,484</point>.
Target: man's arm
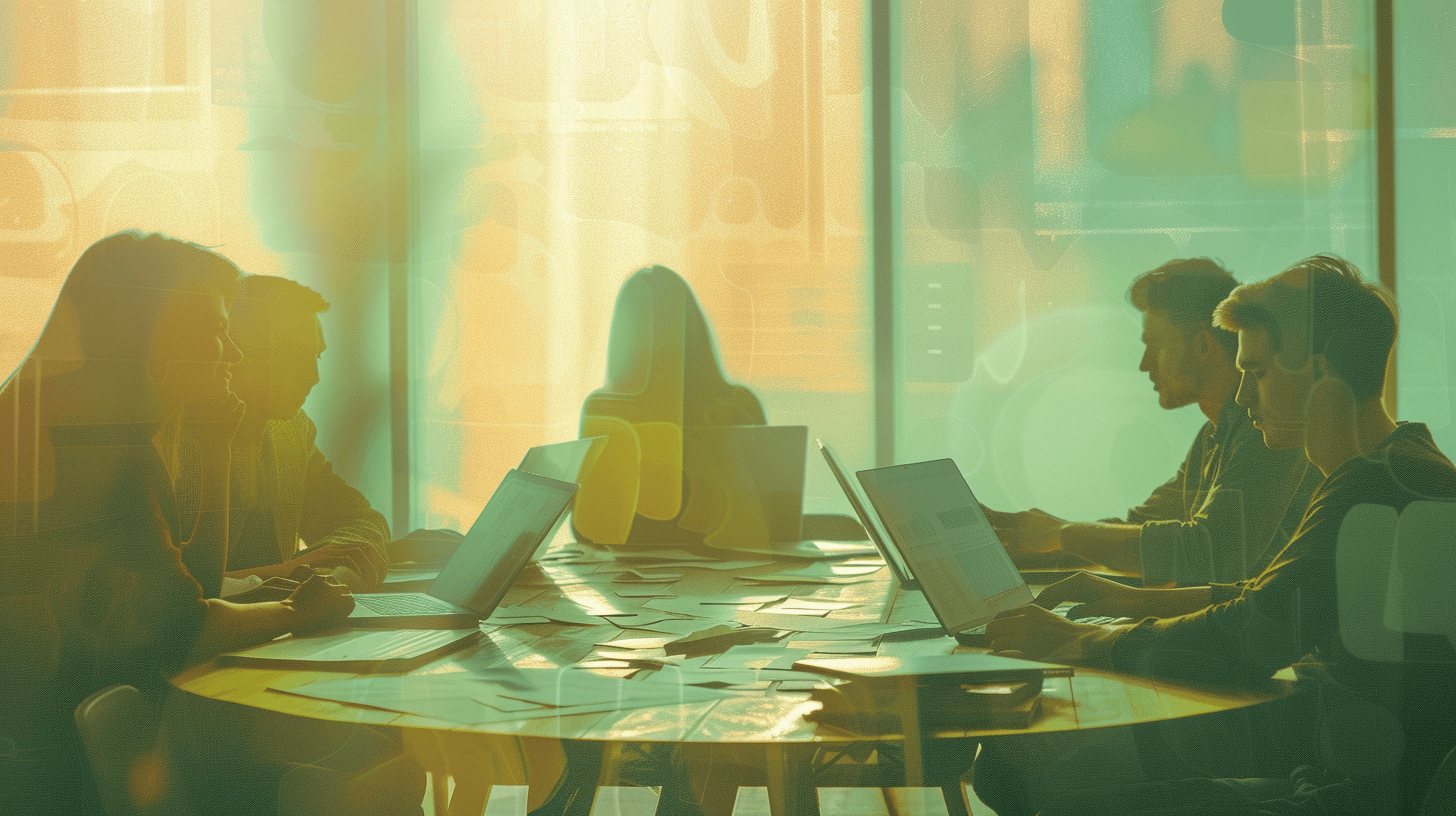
<point>337,515</point>
<point>1254,500</point>
<point>1034,533</point>
<point>1112,543</point>
<point>314,604</point>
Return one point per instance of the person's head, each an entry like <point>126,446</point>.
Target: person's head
<point>275,321</point>
<point>1315,321</point>
<point>160,301</point>
<point>1183,354</point>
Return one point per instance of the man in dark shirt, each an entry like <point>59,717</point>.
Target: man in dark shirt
<point>1233,503</point>
<point>283,491</point>
<point>1313,346</point>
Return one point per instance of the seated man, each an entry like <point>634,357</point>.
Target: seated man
<point>1313,345</point>
<point>283,491</point>
<point>1233,503</point>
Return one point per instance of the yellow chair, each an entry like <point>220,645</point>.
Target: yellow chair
<point>663,378</point>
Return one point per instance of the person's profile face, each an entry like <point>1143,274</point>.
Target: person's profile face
<point>1276,397</point>
<point>191,354</point>
<point>275,379</point>
<point>1167,360</point>
<point>295,369</point>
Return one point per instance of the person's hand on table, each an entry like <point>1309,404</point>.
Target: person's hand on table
<point>1029,532</point>
<point>358,565</point>
<point>1097,595</point>
<point>1036,634</point>
<point>319,604</point>
<point>1101,596</point>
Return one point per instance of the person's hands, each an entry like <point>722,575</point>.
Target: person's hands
<point>272,589</point>
<point>1034,633</point>
<point>318,604</point>
<point>1098,596</point>
<point>1029,532</point>
<point>358,565</point>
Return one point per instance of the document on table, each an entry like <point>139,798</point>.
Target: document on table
<point>470,697</point>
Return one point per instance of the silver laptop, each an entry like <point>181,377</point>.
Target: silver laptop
<point>563,461</point>
<point>522,514</point>
<point>867,518</point>
<point>936,524</point>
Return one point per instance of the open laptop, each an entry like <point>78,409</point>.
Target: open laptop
<point>867,518</point>
<point>563,461</point>
<point>935,522</point>
<point>523,513</point>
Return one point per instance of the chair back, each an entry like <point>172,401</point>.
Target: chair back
<point>663,378</point>
<point>1394,573</point>
<point>119,729</point>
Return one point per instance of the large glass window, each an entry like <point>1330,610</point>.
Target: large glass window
<point>1050,152</point>
<point>506,165</point>
<point>721,140</point>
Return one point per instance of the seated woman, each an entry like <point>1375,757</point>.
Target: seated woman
<point>99,583</point>
<point>655,483</point>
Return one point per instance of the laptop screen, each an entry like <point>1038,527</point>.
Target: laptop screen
<point>563,461</point>
<point>938,526</point>
<point>524,512</point>
<point>867,518</point>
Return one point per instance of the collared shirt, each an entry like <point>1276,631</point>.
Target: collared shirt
<point>283,494</point>
<point>1230,509</point>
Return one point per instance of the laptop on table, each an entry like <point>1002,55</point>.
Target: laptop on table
<point>871,523</point>
<point>936,524</point>
<point>562,461</point>
<point>523,513</point>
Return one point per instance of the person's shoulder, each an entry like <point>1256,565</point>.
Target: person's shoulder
<point>297,429</point>
<point>1406,466</point>
<point>1417,464</point>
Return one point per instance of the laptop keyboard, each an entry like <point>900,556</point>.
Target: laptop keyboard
<point>405,605</point>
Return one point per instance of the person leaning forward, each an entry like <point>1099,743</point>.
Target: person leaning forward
<point>1233,503</point>
<point>1313,343</point>
<point>283,492</point>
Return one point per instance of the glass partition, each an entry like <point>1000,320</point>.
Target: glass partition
<point>1047,154</point>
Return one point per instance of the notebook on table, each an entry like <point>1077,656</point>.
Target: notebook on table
<point>936,524</point>
<point>522,514</point>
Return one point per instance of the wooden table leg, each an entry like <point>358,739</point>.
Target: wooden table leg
<point>790,779</point>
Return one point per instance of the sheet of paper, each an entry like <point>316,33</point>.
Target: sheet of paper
<point>734,600</point>
<point>835,647</point>
<point>798,623</point>
<point>756,656</point>
<point>357,644</point>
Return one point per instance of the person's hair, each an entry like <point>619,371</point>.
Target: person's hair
<point>120,284</point>
<point>1187,290</point>
<point>1320,305</point>
<point>269,307</point>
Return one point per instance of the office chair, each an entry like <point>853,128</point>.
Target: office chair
<point>118,727</point>
<point>1394,574</point>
